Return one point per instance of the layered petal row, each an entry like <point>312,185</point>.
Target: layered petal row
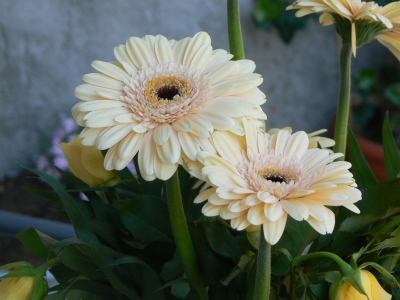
<point>260,179</point>
<point>163,99</point>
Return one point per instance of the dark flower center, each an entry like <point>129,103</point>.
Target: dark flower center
<point>167,92</point>
<point>275,178</point>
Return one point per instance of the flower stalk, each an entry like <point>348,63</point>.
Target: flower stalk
<point>234,30</point>
<point>182,238</point>
<point>343,108</point>
<point>344,267</point>
<point>263,272</point>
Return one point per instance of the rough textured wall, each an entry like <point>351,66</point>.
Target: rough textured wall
<point>47,45</point>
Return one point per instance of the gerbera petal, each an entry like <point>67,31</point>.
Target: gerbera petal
<point>240,223</point>
<point>162,170</point>
<point>110,70</point>
<point>180,49</point>
<point>274,230</point>
<point>228,148</point>
<point>195,44</point>
<point>211,210</point>
<point>170,151</point>
<point>203,196</point>
<point>296,209</point>
<point>297,145</point>
<point>112,135</point>
<point>202,57</point>
<point>139,52</point>
<point>163,51</point>
<point>103,81</point>
<point>130,145</point>
<point>146,155</point>
<point>189,145</point>
<point>273,211</point>
<point>256,215</point>
<point>325,226</point>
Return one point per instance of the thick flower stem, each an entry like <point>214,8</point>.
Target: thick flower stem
<point>263,272</point>
<point>342,113</point>
<point>234,30</point>
<point>182,237</point>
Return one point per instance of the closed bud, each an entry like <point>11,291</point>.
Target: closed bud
<point>87,163</point>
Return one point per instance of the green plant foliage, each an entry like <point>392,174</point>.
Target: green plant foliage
<point>392,157</point>
<point>268,14</point>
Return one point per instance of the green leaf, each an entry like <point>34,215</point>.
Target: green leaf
<point>51,196</point>
<point>378,199</point>
<point>357,222</point>
<point>221,240</point>
<point>394,241</point>
<point>147,218</point>
<point>297,236</point>
<point>38,243</point>
<point>361,170</point>
<point>280,265</point>
<point>172,269</point>
<point>94,288</point>
<point>243,266</point>
<point>212,266</point>
<point>62,273</point>
<point>151,286</point>
<point>392,157</point>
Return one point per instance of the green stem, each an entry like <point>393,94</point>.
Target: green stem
<point>344,267</point>
<point>263,272</point>
<point>342,114</point>
<point>234,30</point>
<point>182,238</point>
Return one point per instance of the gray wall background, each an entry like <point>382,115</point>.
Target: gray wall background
<point>47,45</point>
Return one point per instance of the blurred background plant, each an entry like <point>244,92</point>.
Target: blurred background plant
<point>377,92</point>
<point>269,14</point>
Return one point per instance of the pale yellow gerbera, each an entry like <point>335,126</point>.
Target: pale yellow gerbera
<point>164,98</point>
<point>352,10</point>
<point>390,38</point>
<point>260,179</point>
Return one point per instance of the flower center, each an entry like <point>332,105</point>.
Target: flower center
<point>164,89</point>
<point>167,92</point>
<point>163,93</point>
<point>276,175</point>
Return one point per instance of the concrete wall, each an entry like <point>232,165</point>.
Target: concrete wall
<point>47,45</point>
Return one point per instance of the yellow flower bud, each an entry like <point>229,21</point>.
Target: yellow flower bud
<point>86,162</point>
<point>13,288</point>
<point>371,287</point>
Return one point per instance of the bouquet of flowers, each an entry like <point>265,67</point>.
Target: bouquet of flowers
<point>220,206</point>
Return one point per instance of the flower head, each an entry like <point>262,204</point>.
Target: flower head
<point>371,286</point>
<point>163,98</point>
<point>260,179</point>
<point>363,17</point>
<point>86,162</point>
<point>390,38</point>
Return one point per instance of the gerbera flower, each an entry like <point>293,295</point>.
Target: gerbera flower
<point>260,179</point>
<point>164,98</point>
<point>352,10</point>
<point>390,38</point>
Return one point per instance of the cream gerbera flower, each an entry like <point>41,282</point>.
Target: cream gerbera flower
<point>275,177</point>
<point>352,10</point>
<point>164,98</point>
<point>390,38</point>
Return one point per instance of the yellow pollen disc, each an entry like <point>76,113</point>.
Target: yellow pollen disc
<point>161,90</point>
<point>276,175</point>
